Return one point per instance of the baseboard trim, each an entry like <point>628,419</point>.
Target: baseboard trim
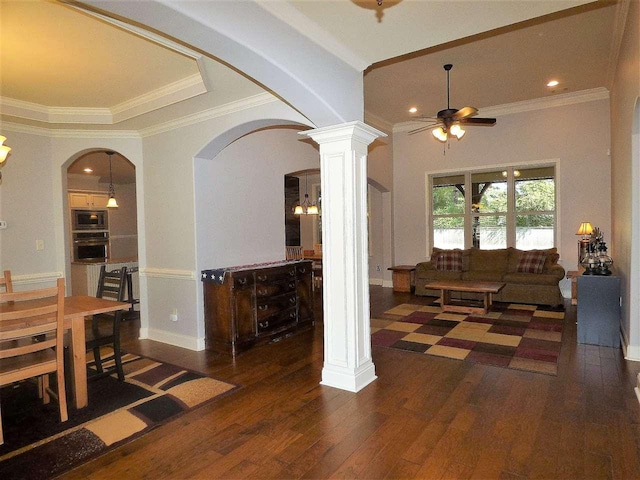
<point>175,339</point>
<point>376,281</point>
<point>387,284</point>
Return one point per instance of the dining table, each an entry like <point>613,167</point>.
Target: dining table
<point>76,309</point>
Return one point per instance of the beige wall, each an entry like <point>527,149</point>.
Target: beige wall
<point>574,136</point>
<point>626,177</point>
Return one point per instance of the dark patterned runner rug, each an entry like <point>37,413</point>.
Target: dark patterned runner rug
<point>523,337</point>
<point>38,446</point>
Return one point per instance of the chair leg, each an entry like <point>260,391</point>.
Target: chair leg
<point>44,380</point>
<point>97,359</point>
<point>62,395</point>
<point>117,354</point>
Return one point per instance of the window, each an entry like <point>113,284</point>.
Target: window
<point>506,207</point>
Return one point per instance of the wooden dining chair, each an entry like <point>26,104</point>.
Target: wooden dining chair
<point>293,252</point>
<point>104,329</point>
<point>31,341</point>
<point>6,282</point>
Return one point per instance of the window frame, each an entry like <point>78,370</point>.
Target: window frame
<point>511,213</point>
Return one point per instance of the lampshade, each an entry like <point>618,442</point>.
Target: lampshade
<point>457,131</point>
<point>585,229</point>
<point>4,150</point>
<point>440,134</point>
<point>112,203</point>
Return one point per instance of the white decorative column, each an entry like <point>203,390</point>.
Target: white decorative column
<point>345,263</point>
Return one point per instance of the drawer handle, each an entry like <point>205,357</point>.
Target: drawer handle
<point>302,270</point>
<point>262,292</point>
<point>263,307</point>
<point>292,300</point>
<point>292,315</point>
<point>242,281</point>
<point>264,324</point>
<point>292,284</point>
<point>292,273</point>
<point>262,278</point>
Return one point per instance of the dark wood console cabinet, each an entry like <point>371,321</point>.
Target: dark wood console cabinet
<point>244,306</point>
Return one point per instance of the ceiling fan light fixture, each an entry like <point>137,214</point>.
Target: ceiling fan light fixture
<point>440,134</point>
<point>457,131</point>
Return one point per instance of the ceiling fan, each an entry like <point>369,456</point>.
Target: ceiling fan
<point>449,122</point>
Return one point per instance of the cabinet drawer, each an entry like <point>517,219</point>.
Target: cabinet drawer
<point>273,289</point>
<point>242,280</point>
<point>269,306</point>
<point>273,275</point>
<point>281,319</point>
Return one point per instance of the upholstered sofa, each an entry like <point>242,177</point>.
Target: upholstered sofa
<point>531,276</point>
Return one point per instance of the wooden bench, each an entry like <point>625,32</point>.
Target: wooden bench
<point>448,286</point>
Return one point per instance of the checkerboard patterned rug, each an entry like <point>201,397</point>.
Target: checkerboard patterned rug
<point>523,337</point>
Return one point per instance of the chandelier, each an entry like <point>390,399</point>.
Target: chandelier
<point>306,207</point>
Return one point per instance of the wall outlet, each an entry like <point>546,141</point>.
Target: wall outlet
<point>3,224</point>
<point>39,245</point>
<point>174,315</point>
<point>377,268</point>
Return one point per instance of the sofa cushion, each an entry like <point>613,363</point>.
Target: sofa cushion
<point>532,261</point>
<point>483,276</point>
<point>488,260</point>
<point>515,254</point>
<point>450,260</point>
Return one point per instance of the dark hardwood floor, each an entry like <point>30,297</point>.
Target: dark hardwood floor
<point>424,417</point>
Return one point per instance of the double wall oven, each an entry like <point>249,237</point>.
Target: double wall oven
<point>90,232</point>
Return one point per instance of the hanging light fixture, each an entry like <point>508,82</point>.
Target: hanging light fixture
<point>306,207</point>
<point>112,191</point>
<point>4,150</point>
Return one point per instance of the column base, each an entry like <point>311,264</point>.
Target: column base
<point>348,379</point>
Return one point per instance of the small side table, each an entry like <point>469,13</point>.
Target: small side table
<point>402,277</point>
<point>573,276</point>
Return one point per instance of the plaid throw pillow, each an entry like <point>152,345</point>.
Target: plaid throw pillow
<point>449,260</point>
<point>532,262</point>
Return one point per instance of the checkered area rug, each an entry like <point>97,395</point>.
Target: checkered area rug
<point>523,337</point>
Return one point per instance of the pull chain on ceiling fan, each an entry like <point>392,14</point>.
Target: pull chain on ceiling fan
<point>448,122</point>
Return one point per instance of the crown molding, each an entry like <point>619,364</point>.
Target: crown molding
<point>306,27</point>
<point>161,97</point>
<point>67,133</point>
<point>378,122</point>
<point>226,109</point>
<point>175,92</point>
<point>543,103</point>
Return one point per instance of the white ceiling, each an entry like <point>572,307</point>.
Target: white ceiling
<point>63,68</point>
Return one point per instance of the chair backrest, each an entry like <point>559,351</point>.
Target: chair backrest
<point>294,252</point>
<point>111,284</point>
<point>43,316</point>
<point>6,281</point>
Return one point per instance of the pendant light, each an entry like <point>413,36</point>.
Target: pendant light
<point>306,207</point>
<point>112,191</point>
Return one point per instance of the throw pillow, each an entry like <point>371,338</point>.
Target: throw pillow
<point>532,262</point>
<point>450,260</point>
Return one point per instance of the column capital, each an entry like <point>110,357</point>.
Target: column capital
<point>357,130</point>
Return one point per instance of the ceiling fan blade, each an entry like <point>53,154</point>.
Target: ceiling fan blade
<point>421,129</point>
<point>478,121</point>
<point>465,112</point>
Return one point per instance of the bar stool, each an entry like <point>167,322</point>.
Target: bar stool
<point>132,301</point>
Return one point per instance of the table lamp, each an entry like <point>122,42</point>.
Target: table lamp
<point>585,230</point>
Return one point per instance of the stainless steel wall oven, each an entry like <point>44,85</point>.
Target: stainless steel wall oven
<point>90,246</point>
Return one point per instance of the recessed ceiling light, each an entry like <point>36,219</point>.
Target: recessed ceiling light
<point>413,110</point>
<point>553,83</point>
<point>88,170</point>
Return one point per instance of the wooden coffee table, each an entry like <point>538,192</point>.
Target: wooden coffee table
<point>448,286</point>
